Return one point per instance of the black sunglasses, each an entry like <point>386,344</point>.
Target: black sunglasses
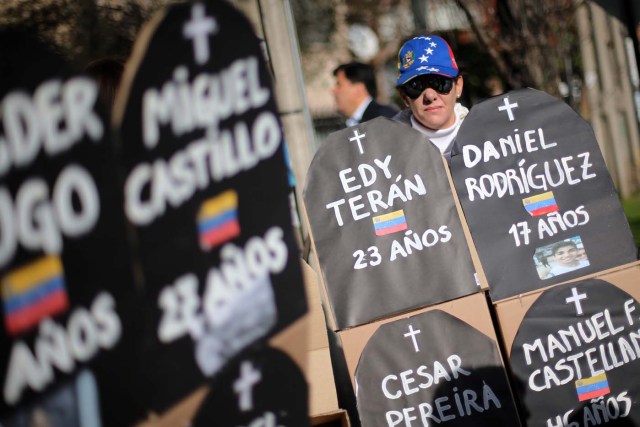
<point>441,84</point>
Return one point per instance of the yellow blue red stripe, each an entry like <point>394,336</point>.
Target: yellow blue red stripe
<point>540,204</point>
<point>389,223</point>
<point>590,388</point>
<point>217,220</point>
<point>32,292</point>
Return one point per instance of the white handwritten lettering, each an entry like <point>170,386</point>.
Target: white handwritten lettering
<point>57,117</point>
<point>38,223</point>
<point>205,102</point>
<point>534,177</point>
<point>86,333</point>
<point>151,187</point>
<point>512,144</point>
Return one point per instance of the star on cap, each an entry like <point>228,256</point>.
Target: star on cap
<point>424,58</point>
<point>433,44</point>
<point>428,51</point>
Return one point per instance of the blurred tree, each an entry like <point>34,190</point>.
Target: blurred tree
<point>316,17</point>
<point>513,43</point>
<point>323,29</point>
<point>532,42</point>
<point>82,30</point>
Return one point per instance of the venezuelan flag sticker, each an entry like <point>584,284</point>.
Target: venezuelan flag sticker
<point>592,387</point>
<point>33,292</point>
<point>218,220</point>
<point>389,223</point>
<point>540,204</point>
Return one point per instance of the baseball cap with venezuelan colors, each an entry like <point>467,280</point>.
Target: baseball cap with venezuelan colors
<point>425,55</point>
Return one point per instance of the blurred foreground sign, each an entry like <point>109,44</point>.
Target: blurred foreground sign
<point>66,283</point>
<point>206,193</point>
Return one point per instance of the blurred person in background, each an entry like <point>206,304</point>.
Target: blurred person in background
<point>355,91</point>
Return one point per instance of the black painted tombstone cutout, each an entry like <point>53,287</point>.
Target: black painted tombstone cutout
<point>548,185</point>
<point>65,277</point>
<point>265,388</point>
<point>206,193</point>
<point>384,222</point>
<point>576,353</point>
<point>432,369</point>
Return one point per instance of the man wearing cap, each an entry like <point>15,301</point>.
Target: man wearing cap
<point>354,92</point>
<point>430,84</point>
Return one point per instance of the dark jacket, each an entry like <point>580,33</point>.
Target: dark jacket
<point>403,116</point>
<point>375,109</point>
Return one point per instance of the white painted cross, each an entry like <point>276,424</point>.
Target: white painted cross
<point>243,386</point>
<point>507,106</point>
<point>357,137</point>
<point>575,298</point>
<point>413,334</point>
<point>198,29</point>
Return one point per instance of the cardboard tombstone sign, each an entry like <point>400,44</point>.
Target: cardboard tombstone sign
<point>536,193</point>
<point>432,368</point>
<point>206,193</point>
<point>577,356</point>
<point>385,225</point>
<point>65,275</point>
<point>265,388</point>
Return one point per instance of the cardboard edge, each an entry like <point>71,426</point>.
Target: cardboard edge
<point>133,63</point>
<point>475,258</point>
<point>509,320</point>
<point>180,414</point>
<point>340,416</point>
<point>318,334</point>
<point>577,279</point>
<point>296,333</point>
<point>464,309</point>
<point>324,293</point>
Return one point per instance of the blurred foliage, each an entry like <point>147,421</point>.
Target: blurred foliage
<point>533,43</point>
<point>82,30</point>
<point>631,208</point>
<point>502,45</point>
<point>524,43</point>
<point>316,17</point>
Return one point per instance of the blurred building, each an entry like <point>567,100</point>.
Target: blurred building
<point>608,42</point>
